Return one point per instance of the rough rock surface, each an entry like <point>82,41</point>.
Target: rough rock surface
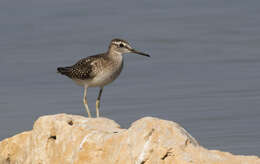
<point>70,139</point>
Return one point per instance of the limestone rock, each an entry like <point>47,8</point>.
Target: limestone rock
<point>70,139</point>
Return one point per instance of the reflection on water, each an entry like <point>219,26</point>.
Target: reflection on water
<point>204,70</point>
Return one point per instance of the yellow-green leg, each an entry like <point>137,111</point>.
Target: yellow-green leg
<point>85,101</point>
<point>98,101</point>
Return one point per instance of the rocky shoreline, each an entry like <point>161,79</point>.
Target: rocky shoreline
<point>68,139</point>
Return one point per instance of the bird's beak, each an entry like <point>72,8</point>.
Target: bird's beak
<point>139,53</point>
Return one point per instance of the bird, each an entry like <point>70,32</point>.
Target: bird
<point>99,70</point>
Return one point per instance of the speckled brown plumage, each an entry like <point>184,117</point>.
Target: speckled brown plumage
<point>85,68</point>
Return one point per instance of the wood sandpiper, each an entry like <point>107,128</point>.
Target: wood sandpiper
<point>99,70</point>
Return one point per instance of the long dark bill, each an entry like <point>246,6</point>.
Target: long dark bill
<point>139,53</point>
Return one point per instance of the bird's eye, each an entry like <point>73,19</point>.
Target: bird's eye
<point>121,45</point>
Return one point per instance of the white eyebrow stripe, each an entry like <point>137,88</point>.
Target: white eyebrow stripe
<point>118,42</point>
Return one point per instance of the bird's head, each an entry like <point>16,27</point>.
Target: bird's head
<point>121,46</point>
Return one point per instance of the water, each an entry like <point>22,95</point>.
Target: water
<point>203,74</point>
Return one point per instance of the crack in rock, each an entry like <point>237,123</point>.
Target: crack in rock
<point>167,154</point>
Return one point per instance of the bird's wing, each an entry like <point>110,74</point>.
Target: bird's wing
<point>85,68</point>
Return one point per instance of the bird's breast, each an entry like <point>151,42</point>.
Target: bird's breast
<point>109,72</point>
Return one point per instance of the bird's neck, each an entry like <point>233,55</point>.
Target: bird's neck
<point>115,55</point>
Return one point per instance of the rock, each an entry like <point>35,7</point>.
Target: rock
<point>68,139</point>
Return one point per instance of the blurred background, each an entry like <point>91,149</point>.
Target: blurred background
<point>204,72</point>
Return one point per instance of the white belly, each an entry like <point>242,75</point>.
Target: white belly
<point>104,78</point>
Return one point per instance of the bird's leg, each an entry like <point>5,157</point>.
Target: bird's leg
<point>98,101</point>
<point>85,101</point>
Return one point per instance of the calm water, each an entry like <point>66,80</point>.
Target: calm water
<point>204,72</point>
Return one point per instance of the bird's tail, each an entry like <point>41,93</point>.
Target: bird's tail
<point>63,70</point>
